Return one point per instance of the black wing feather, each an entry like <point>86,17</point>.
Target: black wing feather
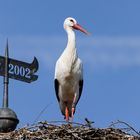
<point>80,89</point>
<point>56,85</point>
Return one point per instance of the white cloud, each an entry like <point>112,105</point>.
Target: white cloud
<point>99,51</point>
<point>115,52</point>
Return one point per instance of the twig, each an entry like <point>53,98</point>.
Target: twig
<point>122,122</point>
<point>68,123</point>
<point>41,112</point>
<point>88,122</point>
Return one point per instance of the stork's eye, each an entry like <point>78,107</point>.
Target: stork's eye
<point>71,20</point>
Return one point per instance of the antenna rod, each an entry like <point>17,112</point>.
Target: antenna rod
<point>6,78</point>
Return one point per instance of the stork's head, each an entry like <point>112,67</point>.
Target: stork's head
<point>71,23</point>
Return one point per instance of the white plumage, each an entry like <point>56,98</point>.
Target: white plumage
<point>69,72</point>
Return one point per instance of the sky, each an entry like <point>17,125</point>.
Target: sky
<point>110,55</point>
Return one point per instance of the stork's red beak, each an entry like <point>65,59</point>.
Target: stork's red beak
<point>78,27</point>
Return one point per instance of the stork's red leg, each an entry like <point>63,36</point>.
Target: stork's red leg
<point>73,107</point>
<point>72,112</point>
<point>66,114</point>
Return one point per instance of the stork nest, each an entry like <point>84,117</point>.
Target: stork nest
<point>49,131</point>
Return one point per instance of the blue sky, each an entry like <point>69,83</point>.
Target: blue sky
<point>111,57</point>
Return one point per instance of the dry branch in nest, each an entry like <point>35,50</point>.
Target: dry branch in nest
<point>127,127</point>
<point>50,131</point>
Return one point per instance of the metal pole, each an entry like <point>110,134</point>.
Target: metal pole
<point>6,78</point>
<point>8,118</point>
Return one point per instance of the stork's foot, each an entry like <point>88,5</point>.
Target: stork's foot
<point>66,114</point>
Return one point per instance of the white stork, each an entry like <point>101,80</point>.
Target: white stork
<point>69,72</point>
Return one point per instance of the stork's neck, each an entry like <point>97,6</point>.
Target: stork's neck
<point>71,39</point>
<point>70,52</point>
